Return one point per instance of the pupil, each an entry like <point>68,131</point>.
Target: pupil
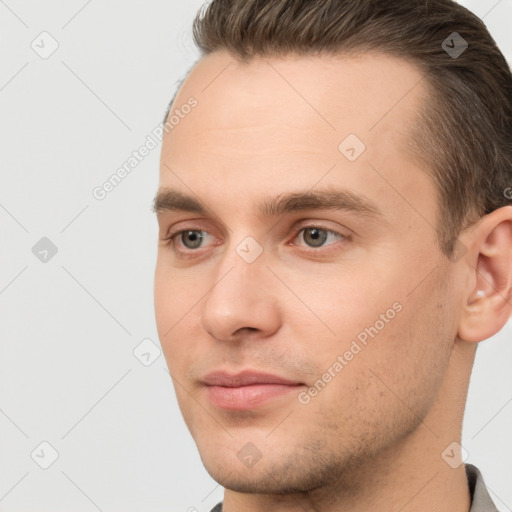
<point>194,237</point>
<point>318,236</point>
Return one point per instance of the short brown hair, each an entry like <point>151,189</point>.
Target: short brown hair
<point>465,131</point>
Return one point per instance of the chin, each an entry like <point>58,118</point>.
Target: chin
<point>276,473</point>
<point>251,480</point>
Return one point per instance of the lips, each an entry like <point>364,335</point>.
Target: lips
<point>246,390</point>
<point>246,378</point>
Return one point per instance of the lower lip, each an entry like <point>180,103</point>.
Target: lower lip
<point>247,397</point>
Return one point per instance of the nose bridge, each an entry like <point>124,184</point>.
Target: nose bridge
<point>240,295</point>
<point>243,262</point>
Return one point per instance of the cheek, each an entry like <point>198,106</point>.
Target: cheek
<point>378,328</point>
<point>175,293</point>
<point>336,306</point>
<point>409,358</point>
<point>173,300</point>
<point>387,384</point>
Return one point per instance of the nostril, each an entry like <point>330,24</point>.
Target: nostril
<point>248,329</point>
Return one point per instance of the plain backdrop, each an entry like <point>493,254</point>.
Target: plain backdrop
<point>113,437</point>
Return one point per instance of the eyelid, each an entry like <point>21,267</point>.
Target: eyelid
<point>172,235</point>
<point>187,225</point>
<point>320,224</point>
<point>324,250</point>
<point>307,223</point>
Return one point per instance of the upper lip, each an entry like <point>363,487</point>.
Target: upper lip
<point>245,378</point>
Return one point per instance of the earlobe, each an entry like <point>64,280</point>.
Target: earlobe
<point>487,307</point>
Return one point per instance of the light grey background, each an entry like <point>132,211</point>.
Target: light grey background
<point>68,374</point>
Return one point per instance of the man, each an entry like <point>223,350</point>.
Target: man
<point>336,239</point>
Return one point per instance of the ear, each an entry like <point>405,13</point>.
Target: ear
<point>487,304</point>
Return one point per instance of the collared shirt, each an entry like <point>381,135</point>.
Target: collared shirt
<point>480,499</point>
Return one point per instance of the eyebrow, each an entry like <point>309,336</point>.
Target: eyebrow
<point>326,199</point>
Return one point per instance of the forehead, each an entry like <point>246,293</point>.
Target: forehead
<point>337,93</point>
<point>288,121</point>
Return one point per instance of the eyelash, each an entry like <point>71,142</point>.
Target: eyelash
<point>170,240</point>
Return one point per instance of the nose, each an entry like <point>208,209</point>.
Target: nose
<point>242,301</point>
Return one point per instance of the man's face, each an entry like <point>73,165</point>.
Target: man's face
<point>354,304</point>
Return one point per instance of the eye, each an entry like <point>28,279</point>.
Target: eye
<point>194,237</point>
<point>186,242</point>
<point>316,236</point>
<point>189,238</point>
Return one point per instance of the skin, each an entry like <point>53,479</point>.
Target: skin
<point>373,437</point>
